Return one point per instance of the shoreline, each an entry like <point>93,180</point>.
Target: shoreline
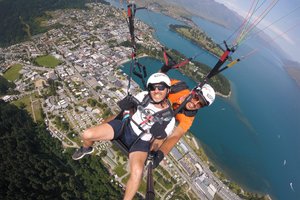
<point>219,173</point>
<point>225,96</point>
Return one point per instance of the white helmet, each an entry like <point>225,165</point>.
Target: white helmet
<point>159,78</point>
<point>208,94</point>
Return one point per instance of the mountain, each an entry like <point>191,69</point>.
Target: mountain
<point>293,69</point>
<point>209,10</point>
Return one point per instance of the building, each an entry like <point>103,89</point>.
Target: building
<point>205,186</point>
<point>6,98</point>
<point>176,154</point>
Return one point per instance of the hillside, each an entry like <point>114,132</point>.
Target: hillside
<point>35,166</point>
<point>5,86</point>
<point>207,9</point>
<point>21,19</point>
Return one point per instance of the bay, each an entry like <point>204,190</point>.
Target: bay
<point>254,136</point>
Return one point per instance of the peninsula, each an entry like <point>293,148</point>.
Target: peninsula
<point>198,37</point>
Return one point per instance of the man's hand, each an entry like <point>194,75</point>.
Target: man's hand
<point>158,156</point>
<point>128,102</point>
<point>157,130</point>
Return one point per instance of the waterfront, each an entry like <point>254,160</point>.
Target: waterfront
<point>253,136</point>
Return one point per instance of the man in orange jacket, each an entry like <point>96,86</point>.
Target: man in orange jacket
<point>185,117</point>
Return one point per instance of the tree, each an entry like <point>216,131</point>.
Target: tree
<point>103,153</point>
<point>98,88</point>
<point>22,105</point>
<point>34,167</point>
<point>92,102</point>
<point>5,85</point>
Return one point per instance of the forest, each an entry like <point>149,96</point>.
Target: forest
<point>35,166</point>
<point>6,87</point>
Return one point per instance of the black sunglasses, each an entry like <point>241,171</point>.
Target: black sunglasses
<point>160,87</point>
<point>199,97</point>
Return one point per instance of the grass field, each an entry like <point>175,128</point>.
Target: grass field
<point>36,113</point>
<point>47,61</point>
<point>142,187</point>
<point>37,110</point>
<point>120,171</point>
<point>12,73</point>
<point>25,100</point>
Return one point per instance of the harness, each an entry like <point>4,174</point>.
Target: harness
<point>177,87</point>
<point>162,117</point>
<point>188,113</point>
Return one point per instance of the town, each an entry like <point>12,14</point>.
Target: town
<point>86,85</point>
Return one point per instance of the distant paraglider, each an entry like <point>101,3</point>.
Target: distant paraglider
<point>291,185</point>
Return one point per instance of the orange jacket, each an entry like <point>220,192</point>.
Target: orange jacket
<point>176,99</point>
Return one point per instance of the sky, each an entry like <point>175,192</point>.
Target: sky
<point>282,22</point>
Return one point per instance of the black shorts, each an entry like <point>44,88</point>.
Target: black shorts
<point>128,137</point>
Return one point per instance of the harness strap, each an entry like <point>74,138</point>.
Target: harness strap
<point>188,113</point>
<point>140,71</point>
<point>177,87</point>
<point>160,117</point>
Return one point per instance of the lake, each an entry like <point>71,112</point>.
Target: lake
<point>254,136</point>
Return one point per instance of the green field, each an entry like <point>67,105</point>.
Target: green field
<point>47,61</point>
<point>12,73</point>
<point>120,171</point>
<point>37,109</point>
<point>36,113</point>
<point>142,187</point>
<point>25,101</point>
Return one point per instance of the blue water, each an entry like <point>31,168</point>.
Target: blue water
<point>251,134</point>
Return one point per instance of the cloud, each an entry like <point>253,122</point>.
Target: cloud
<point>233,5</point>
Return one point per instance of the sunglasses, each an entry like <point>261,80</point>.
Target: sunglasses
<point>160,87</point>
<point>199,97</point>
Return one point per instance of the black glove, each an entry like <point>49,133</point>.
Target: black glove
<point>165,68</point>
<point>158,131</point>
<point>158,156</point>
<point>128,102</point>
